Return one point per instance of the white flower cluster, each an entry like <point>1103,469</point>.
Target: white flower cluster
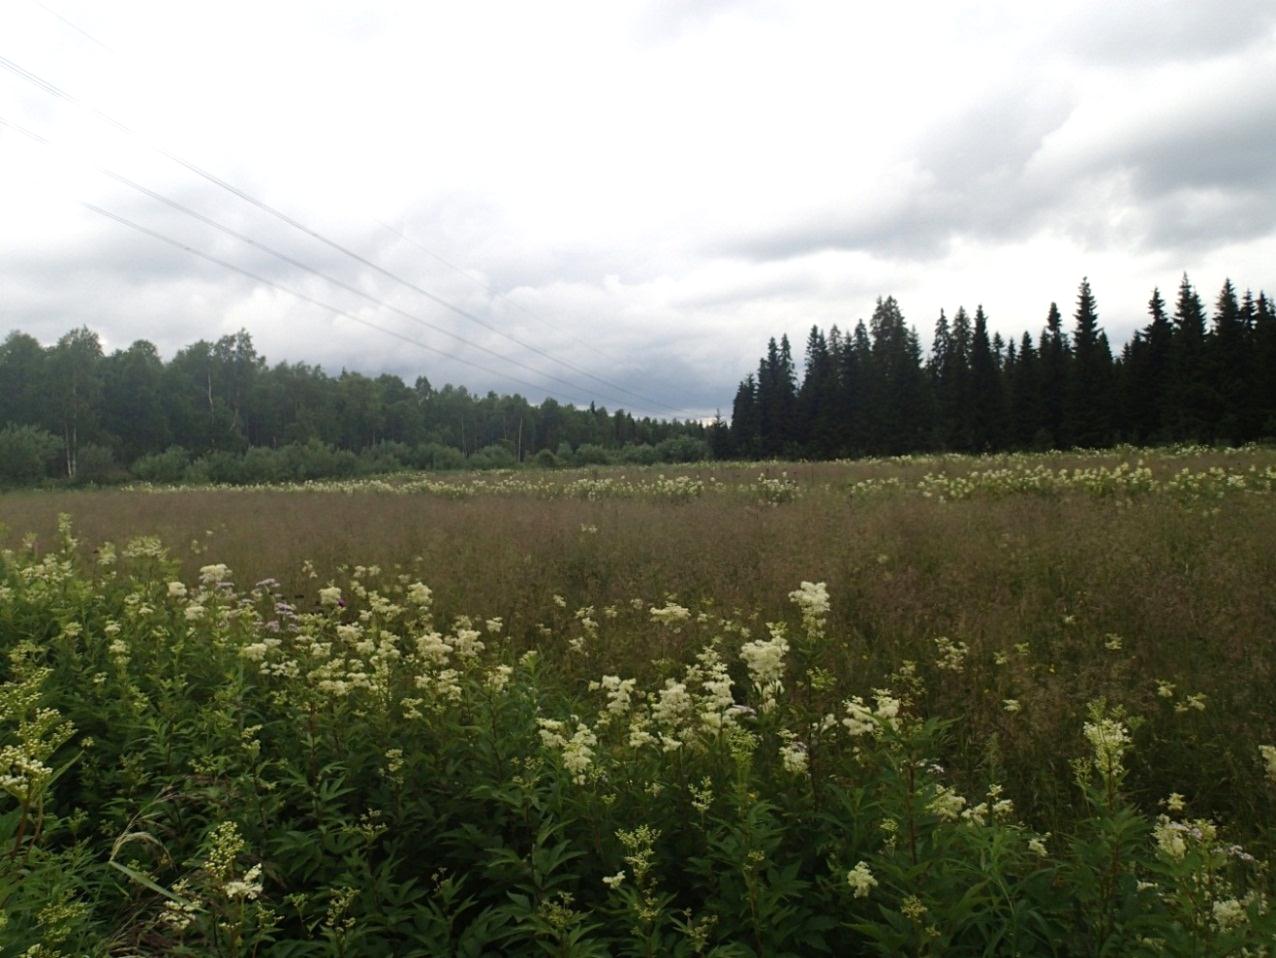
<point>764,659</point>
<point>576,749</point>
<point>670,614</point>
<point>862,720</point>
<point>952,655</point>
<point>812,600</point>
<point>1109,739</point>
<point>861,880</point>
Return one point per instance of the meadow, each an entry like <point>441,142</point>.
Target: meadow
<point>1019,704</point>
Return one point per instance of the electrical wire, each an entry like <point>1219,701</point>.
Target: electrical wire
<point>55,91</point>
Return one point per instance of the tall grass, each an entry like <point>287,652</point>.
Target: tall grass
<point>1102,663</point>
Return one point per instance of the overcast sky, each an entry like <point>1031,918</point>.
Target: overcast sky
<point>646,191</point>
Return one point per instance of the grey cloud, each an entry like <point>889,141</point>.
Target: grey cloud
<point>1157,31</point>
<point>978,181</point>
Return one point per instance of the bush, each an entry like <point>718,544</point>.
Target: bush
<point>639,455</point>
<point>434,455</point>
<point>385,456</point>
<point>95,465</point>
<point>27,454</point>
<point>545,459</point>
<point>591,455</point>
<point>683,449</point>
<point>168,466</point>
<point>493,457</point>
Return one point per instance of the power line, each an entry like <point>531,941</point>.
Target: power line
<point>53,90</point>
<point>84,33</point>
<point>178,244</point>
<point>196,215</point>
<point>493,291</point>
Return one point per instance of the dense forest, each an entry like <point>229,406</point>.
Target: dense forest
<point>1185,376</point>
<point>218,412</point>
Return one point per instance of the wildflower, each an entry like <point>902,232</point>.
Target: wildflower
<point>176,590</point>
<point>1011,705</point>
<point>793,756</point>
<point>1109,739</point>
<point>1037,845</point>
<point>494,625</point>
<point>670,614</point>
<point>613,881</point>
<point>765,661</point>
<point>1164,689</point>
<point>1268,753</point>
<point>248,887</point>
<point>1112,642</point>
<point>213,574</point>
<point>952,655</point>
<point>499,677</point>
<point>330,595</point>
<point>812,600</point>
<point>1174,803</point>
<point>1228,913</point>
<point>1169,838</point>
<point>912,908</point>
<point>193,613</point>
<point>946,805</point>
<point>419,594</point>
<point>702,795</point>
<point>861,880</point>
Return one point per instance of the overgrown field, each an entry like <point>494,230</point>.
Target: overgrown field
<point>1014,705</point>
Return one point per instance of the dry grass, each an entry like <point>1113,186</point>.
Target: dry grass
<point>1187,588</point>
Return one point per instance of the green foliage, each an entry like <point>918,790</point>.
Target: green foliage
<point>199,768</point>
<point>27,454</point>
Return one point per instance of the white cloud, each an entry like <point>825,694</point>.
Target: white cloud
<point>665,184</point>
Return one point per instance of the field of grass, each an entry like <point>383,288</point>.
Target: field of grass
<point>942,705</point>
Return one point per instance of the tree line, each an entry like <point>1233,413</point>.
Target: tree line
<point>217,411</point>
<point>1187,376</point>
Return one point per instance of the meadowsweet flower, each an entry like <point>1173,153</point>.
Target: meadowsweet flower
<point>946,804</point>
<point>330,595</point>
<point>1109,739</point>
<point>764,659</point>
<point>619,697</point>
<point>211,575</point>
<point>793,755</point>
<point>1011,705</point>
<point>1174,803</point>
<point>176,590</point>
<point>912,908</point>
<point>952,655</point>
<point>702,795</point>
<point>1228,913</point>
<point>193,612</point>
<point>1268,753</point>
<point>499,677</point>
<point>670,614</point>
<point>255,651</point>
<point>1037,845</point>
<point>1112,642</point>
<point>614,881</point>
<point>246,888</point>
<point>1194,702</point>
<point>1164,689</point>
<point>812,600</point>
<point>1170,838</point>
<point>861,880</point>
<point>859,717</point>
